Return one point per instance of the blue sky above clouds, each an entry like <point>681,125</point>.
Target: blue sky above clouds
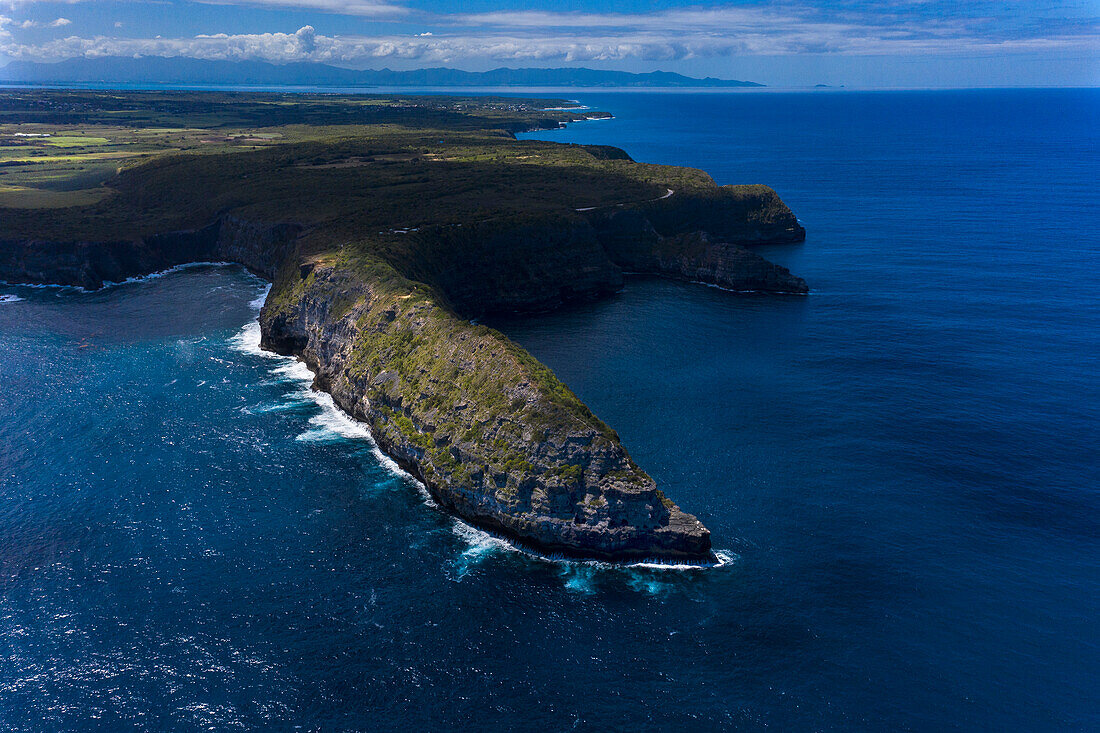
<point>798,42</point>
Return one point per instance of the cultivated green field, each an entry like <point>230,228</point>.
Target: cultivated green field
<point>59,148</point>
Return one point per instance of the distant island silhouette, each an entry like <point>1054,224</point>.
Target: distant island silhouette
<point>179,70</point>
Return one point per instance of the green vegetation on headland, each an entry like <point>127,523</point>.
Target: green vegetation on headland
<point>385,224</point>
<point>72,141</point>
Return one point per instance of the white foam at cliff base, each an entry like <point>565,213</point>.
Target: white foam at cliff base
<point>258,302</point>
<point>292,370</point>
<point>290,402</point>
<point>577,575</point>
<point>333,422</point>
<point>479,541</point>
<point>128,281</point>
<point>629,273</point>
<point>40,286</point>
<point>162,273</point>
<point>247,341</point>
<point>486,542</point>
<point>721,559</point>
<point>734,290</point>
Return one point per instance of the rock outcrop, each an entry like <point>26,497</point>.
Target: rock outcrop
<point>536,263</point>
<point>672,239</point>
<point>492,433</point>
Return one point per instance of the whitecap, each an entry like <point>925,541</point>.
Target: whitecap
<point>479,542</point>
<point>107,284</point>
<point>722,558</point>
<point>477,549</point>
<point>258,302</point>
<point>489,541</point>
<point>292,402</point>
<point>9,298</point>
<point>247,341</point>
<point>162,273</point>
<point>580,578</point>
<point>43,286</point>
<point>333,423</point>
<point>292,370</point>
<point>742,292</point>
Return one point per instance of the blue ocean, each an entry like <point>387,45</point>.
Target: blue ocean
<point>901,470</point>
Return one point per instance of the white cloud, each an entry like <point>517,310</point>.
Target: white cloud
<point>366,9</point>
<point>60,22</point>
<point>540,36</point>
<point>307,45</point>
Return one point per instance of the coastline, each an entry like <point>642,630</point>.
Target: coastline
<point>384,324</point>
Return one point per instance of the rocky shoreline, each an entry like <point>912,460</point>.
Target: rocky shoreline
<point>384,311</point>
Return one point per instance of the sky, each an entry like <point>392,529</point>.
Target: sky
<point>786,43</point>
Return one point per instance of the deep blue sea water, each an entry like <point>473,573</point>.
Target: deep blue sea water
<point>902,466</point>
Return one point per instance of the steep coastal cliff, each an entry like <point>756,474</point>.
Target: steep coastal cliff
<point>382,244</point>
<point>492,433</point>
<point>525,263</point>
<point>701,238</point>
<point>259,246</point>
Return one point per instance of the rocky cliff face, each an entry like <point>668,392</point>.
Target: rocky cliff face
<point>694,257</point>
<point>631,240</point>
<point>259,246</point>
<point>509,264</point>
<point>702,238</point>
<point>742,215</point>
<point>539,263</point>
<point>495,437</point>
<point>91,264</point>
<point>501,264</point>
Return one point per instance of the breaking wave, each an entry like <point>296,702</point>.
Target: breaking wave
<point>331,424</point>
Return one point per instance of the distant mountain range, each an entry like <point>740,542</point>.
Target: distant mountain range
<point>159,70</point>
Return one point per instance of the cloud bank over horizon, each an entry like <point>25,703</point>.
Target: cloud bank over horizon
<point>715,39</point>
